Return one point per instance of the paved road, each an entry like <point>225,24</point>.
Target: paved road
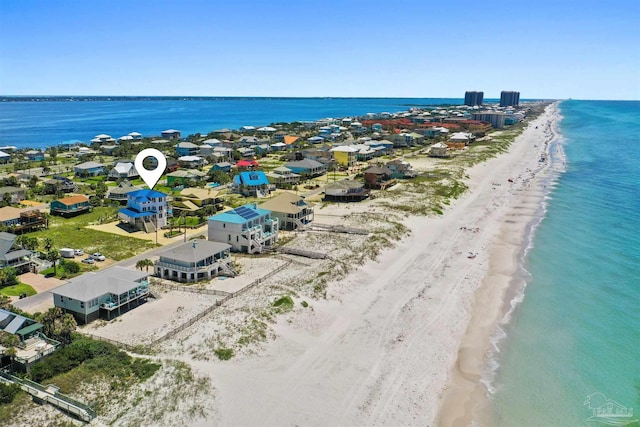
<point>31,303</point>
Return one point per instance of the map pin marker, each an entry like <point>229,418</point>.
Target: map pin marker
<point>150,177</point>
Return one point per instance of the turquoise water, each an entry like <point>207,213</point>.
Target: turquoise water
<point>577,330</point>
<point>47,123</point>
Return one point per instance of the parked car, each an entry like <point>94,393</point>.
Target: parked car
<point>98,256</point>
<point>88,261</point>
<point>78,252</point>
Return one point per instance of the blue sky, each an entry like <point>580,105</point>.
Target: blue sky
<point>545,49</point>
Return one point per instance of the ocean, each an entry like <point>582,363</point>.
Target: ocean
<point>573,343</point>
<point>39,124</point>
<point>576,331</point>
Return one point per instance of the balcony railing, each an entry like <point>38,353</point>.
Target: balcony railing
<point>195,269</point>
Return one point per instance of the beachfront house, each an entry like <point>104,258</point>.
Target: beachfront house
<point>32,344</point>
<point>459,140</point>
<point>89,169</point>
<point>291,210</point>
<point>378,177</point>
<point>197,201</point>
<point>247,228</point>
<point>12,254</point>
<point>103,294</point>
<point>171,134</point>
<point>251,184</point>
<point>438,149</point>
<point>146,210</point>
<point>123,169</point>
<point>70,206</point>
<point>346,191</point>
<point>15,194</point>
<point>194,261</point>
<point>401,169</point>
<point>186,148</point>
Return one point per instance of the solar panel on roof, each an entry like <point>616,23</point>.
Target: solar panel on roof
<point>246,213</point>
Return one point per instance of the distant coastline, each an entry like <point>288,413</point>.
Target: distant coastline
<point>74,98</point>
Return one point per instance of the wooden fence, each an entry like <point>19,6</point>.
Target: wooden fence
<point>226,296</point>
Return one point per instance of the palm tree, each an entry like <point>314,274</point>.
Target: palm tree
<point>47,244</point>
<point>144,263</point>
<point>53,255</point>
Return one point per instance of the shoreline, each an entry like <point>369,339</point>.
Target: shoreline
<point>380,349</point>
<point>466,400</point>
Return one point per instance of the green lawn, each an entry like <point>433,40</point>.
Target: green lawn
<point>71,233</point>
<point>16,290</point>
<point>190,221</point>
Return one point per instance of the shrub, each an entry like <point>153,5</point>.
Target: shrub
<point>304,304</point>
<point>223,353</point>
<point>284,301</point>
<point>8,392</point>
<point>71,267</point>
<point>144,369</point>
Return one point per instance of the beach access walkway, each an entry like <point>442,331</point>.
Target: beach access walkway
<point>51,395</point>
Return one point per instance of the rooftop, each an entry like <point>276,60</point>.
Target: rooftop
<point>146,194</point>
<point>72,200</point>
<point>89,165</point>
<point>116,280</point>
<point>240,215</point>
<point>286,203</point>
<point>194,250</point>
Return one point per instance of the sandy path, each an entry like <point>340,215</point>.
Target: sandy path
<point>382,352</point>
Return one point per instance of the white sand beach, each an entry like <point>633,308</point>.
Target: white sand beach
<point>397,341</point>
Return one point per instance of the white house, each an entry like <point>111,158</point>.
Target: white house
<point>103,294</point>
<point>4,157</point>
<point>194,261</point>
<point>247,228</point>
<point>438,150</point>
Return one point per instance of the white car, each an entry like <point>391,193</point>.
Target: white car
<point>88,261</point>
<point>98,256</point>
<point>78,252</point>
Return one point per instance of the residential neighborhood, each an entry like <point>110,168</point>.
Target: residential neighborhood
<point>82,238</point>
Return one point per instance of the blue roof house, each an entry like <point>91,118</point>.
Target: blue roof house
<point>251,183</point>
<point>146,210</point>
<point>247,228</point>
